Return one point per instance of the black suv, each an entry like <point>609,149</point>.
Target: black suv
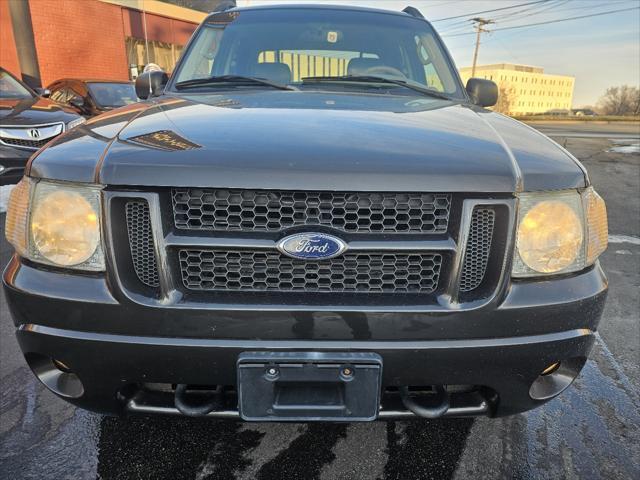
<point>27,122</point>
<point>311,220</point>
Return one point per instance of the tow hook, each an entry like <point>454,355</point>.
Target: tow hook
<point>197,403</point>
<point>438,403</point>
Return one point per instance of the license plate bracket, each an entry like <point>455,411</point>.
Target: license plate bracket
<point>309,386</point>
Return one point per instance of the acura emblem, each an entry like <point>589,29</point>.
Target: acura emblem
<point>311,246</point>
<point>34,133</point>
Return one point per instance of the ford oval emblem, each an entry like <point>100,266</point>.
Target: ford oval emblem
<point>311,246</point>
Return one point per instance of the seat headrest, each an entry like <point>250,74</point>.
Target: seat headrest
<point>276,72</point>
<point>359,66</point>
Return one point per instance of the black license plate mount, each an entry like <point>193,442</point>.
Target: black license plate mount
<point>309,386</point>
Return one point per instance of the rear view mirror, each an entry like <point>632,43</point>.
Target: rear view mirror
<point>151,84</point>
<point>482,92</point>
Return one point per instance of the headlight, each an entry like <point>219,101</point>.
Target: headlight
<point>75,123</point>
<point>56,224</point>
<point>559,232</point>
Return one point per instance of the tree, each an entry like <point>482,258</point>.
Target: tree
<point>507,98</point>
<point>622,100</point>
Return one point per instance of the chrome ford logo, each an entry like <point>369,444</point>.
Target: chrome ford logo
<point>311,246</point>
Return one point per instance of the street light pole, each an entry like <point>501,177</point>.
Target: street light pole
<point>479,23</point>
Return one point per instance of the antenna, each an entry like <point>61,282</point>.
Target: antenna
<point>414,12</point>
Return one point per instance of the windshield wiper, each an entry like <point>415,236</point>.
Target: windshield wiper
<point>231,79</point>
<point>376,79</point>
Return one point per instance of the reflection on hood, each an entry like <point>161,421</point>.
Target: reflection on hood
<point>18,106</point>
<point>166,140</point>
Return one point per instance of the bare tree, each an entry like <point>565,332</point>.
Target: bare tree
<point>623,100</point>
<point>507,98</point>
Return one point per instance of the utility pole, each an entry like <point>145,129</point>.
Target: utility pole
<point>479,24</point>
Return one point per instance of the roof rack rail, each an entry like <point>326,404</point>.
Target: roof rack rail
<point>225,5</point>
<point>414,12</point>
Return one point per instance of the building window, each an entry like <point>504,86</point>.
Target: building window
<point>164,54</point>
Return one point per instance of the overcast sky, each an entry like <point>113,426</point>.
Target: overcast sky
<point>599,51</point>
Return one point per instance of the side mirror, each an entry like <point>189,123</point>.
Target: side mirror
<point>482,92</point>
<point>43,92</point>
<point>77,102</point>
<point>151,84</point>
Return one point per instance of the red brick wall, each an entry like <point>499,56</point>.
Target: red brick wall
<point>8,54</point>
<point>79,39</point>
<point>162,29</point>
<point>85,38</point>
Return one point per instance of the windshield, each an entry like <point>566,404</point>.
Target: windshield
<point>288,45</point>
<point>113,95</point>
<point>11,88</point>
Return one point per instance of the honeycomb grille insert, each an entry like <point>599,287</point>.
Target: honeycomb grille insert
<point>267,210</point>
<point>141,242</point>
<point>478,248</point>
<point>16,142</point>
<point>270,271</point>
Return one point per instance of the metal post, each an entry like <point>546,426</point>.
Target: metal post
<point>25,42</point>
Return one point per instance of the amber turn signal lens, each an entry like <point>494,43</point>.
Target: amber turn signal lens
<point>16,223</point>
<point>597,225</point>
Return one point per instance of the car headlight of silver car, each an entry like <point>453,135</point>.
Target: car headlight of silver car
<point>56,224</point>
<point>559,232</point>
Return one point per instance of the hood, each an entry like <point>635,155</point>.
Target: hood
<point>33,111</point>
<point>300,140</point>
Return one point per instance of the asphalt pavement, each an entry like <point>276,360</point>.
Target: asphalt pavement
<point>591,431</point>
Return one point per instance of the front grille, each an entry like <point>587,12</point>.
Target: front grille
<point>478,248</point>
<point>239,270</point>
<point>16,142</point>
<point>141,242</point>
<point>270,210</point>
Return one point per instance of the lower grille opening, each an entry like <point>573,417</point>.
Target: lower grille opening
<point>214,270</point>
<point>17,142</point>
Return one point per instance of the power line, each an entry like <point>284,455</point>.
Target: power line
<point>460,26</point>
<point>492,10</point>
<point>549,21</point>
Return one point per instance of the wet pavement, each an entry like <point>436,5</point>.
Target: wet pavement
<point>591,431</point>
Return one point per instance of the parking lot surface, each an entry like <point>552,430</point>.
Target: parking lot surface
<point>591,431</point>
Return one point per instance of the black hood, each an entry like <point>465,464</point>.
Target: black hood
<point>33,111</point>
<point>305,140</point>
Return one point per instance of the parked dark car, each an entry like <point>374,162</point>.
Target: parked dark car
<point>27,122</point>
<point>312,220</point>
<point>92,97</point>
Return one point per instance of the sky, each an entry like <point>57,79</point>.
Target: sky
<point>600,51</point>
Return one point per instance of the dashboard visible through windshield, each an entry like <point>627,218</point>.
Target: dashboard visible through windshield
<point>305,47</point>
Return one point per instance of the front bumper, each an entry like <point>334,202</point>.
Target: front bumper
<point>12,163</point>
<point>114,345</point>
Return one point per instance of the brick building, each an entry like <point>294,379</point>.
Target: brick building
<point>100,38</point>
